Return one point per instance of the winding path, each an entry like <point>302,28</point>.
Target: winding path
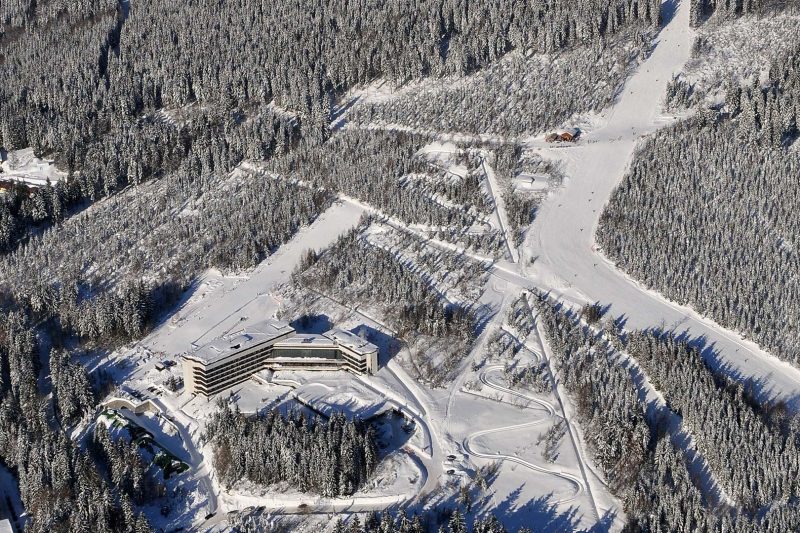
<point>470,448</point>
<point>492,385</point>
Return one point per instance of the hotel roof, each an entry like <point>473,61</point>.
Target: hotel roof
<point>299,340</point>
<point>350,340</point>
<point>236,341</point>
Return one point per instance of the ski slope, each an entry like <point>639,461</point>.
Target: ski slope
<point>222,303</point>
<point>568,261</point>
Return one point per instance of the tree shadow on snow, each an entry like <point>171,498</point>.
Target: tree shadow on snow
<point>759,389</point>
<point>669,9</point>
<point>540,514</point>
<point>483,315</point>
<point>312,323</point>
<point>388,346</point>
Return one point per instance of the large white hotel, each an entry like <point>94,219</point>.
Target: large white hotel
<point>235,357</point>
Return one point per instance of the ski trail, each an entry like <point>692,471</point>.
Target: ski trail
<point>500,209</point>
<point>571,266</point>
<point>483,379</point>
<point>468,446</point>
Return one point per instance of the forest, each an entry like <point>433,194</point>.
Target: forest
<point>330,457</point>
<point>385,523</point>
<point>532,88</point>
<point>750,447</point>
<point>126,259</point>
<point>63,487</point>
<point>358,272</point>
<point>703,10</point>
<point>401,522</point>
<point>105,106</point>
<point>150,107</point>
<point>385,170</point>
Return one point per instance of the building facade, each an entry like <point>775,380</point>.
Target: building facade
<point>235,357</point>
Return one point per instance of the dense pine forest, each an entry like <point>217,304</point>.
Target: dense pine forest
<point>98,106</point>
<point>640,460</point>
<point>385,523</point>
<point>402,522</point>
<point>752,448</point>
<point>529,83</point>
<point>61,485</point>
<point>198,135</point>
<point>703,10</point>
<point>330,457</point>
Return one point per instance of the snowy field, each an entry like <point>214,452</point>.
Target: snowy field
<point>23,166</point>
<point>220,303</point>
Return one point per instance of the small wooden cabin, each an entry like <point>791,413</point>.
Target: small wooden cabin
<point>552,137</point>
<point>571,134</point>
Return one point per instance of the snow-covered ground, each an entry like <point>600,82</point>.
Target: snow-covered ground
<point>478,423</point>
<point>23,166</point>
<point>496,192</point>
<point>531,182</point>
<point>220,303</point>
<point>568,262</point>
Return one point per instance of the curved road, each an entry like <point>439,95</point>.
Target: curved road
<point>483,379</point>
<point>317,505</point>
<point>470,449</point>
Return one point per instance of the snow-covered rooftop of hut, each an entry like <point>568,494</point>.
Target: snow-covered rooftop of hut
<point>235,342</point>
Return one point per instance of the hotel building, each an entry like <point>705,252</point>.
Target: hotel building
<point>233,358</point>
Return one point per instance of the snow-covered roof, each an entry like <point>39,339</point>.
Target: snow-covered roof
<point>24,167</point>
<point>572,131</point>
<point>281,335</point>
<point>305,340</point>
<point>350,340</point>
<point>235,342</point>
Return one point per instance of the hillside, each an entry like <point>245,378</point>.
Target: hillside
<point>454,266</point>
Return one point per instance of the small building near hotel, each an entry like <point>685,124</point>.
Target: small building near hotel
<point>233,358</point>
